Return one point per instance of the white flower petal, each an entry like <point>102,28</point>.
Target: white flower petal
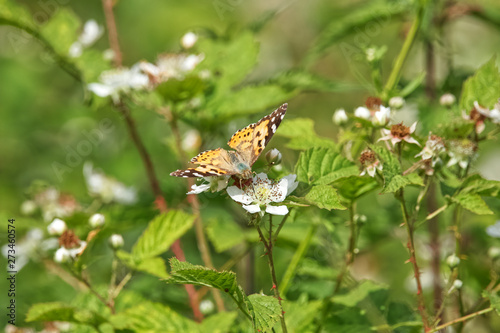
<point>494,230</point>
<point>280,190</point>
<point>413,127</point>
<point>238,195</point>
<point>101,90</point>
<point>292,184</point>
<point>252,209</point>
<point>409,139</point>
<point>197,189</point>
<point>75,50</point>
<point>277,210</point>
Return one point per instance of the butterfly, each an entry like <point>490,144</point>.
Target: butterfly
<point>248,143</point>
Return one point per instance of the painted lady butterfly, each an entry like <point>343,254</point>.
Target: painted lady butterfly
<point>248,144</point>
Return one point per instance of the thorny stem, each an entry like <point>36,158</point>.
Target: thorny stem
<point>413,260</point>
<point>349,256</point>
<point>112,31</point>
<point>87,283</point>
<point>198,224</point>
<point>460,320</point>
<point>269,248</point>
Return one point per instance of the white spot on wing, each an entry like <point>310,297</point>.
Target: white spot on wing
<point>273,128</point>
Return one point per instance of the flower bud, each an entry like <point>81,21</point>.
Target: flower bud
<point>62,255</point>
<point>57,227</point>
<point>457,284</point>
<point>206,306</point>
<point>447,99</point>
<point>116,241</point>
<point>494,252</point>
<point>362,112</point>
<point>188,40</point>
<point>273,156</point>
<point>96,220</point>
<point>339,117</point>
<point>396,102</point>
<point>453,261</point>
<point>382,116</point>
<point>371,54</point>
<point>28,207</point>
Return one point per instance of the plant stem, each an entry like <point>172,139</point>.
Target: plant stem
<point>349,256</point>
<point>198,224</point>
<point>460,320</point>
<point>413,260</point>
<point>282,223</point>
<point>393,79</point>
<point>269,248</point>
<point>112,31</point>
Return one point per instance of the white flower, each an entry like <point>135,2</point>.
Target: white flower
<point>116,81</point>
<point>461,152</point>
<point>28,207</point>
<point>206,306</point>
<point>494,230</point>
<point>493,114</point>
<point>62,255</point>
<point>91,32</point>
<point>53,204</point>
<point>400,132</point>
<point>362,112</point>
<point>108,189</point>
<point>215,184</point>
<point>396,102</point>
<point>116,241</point>
<point>191,140</point>
<point>447,99</point>
<point>340,117</point>
<point>57,227</point>
<point>189,39</point>
<point>457,284</point>
<point>26,248</point>
<point>262,192</point>
<point>433,147</point>
<point>382,116</point>
<point>171,66</point>
<point>97,220</point>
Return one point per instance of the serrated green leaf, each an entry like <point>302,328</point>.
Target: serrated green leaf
<point>57,311</point>
<point>186,273</point>
<point>398,182</point>
<point>61,30</point>
<point>357,294</point>
<point>483,87</point>
<point>265,311</point>
<point>218,323</point>
<point>161,233</point>
<point>324,197</point>
<point>224,233</point>
<point>321,166</point>
<point>354,187</point>
<point>483,187</point>
<point>154,266</point>
<point>472,202</point>
<point>177,90</point>
<point>152,317</point>
<point>300,314</point>
<point>305,81</point>
<point>302,135</point>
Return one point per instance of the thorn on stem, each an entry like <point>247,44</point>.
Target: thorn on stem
<point>273,287</point>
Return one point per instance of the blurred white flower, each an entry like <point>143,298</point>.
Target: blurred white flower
<point>494,230</point>
<point>171,66</point>
<point>452,261</point>
<point>191,140</point>
<point>62,255</point>
<point>382,116</point>
<point>340,117</point>
<point>189,39</point>
<point>28,207</point>
<point>57,227</point>
<point>97,220</point>
<point>400,132</point>
<point>396,102</point>
<point>447,99</point>
<point>370,54</point>
<point>362,112</point>
<point>461,152</point>
<point>458,284</point>
<point>108,54</point>
<point>121,80</point>
<point>108,189</point>
<point>257,197</point>
<point>207,306</point>
<point>116,241</point>
<point>90,34</point>
<point>433,147</point>
<point>215,184</point>
<point>26,248</point>
<point>54,204</point>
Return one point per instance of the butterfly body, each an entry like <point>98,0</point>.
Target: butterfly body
<point>248,143</point>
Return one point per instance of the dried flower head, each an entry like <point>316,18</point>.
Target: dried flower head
<point>461,152</point>
<point>369,162</point>
<point>69,240</point>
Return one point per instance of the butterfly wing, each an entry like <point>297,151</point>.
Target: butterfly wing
<point>250,141</point>
<point>215,162</point>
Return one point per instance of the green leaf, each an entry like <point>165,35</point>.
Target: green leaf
<point>14,14</point>
<point>61,30</point>
<point>186,273</point>
<point>218,323</point>
<point>154,266</point>
<point>302,136</point>
<point>472,202</point>
<point>354,187</point>
<point>265,311</point>
<point>57,311</point>
<point>224,233</point>
<point>357,294</point>
<point>300,314</point>
<point>494,300</point>
<point>176,90</point>
<point>247,100</point>
<point>161,233</point>
<point>372,12</point>
<point>152,317</point>
<point>231,60</point>
<point>324,197</point>
<point>321,166</point>
<point>483,87</point>
<point>305,81</point>
<point>483,187</point>
<point>398,182</point>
